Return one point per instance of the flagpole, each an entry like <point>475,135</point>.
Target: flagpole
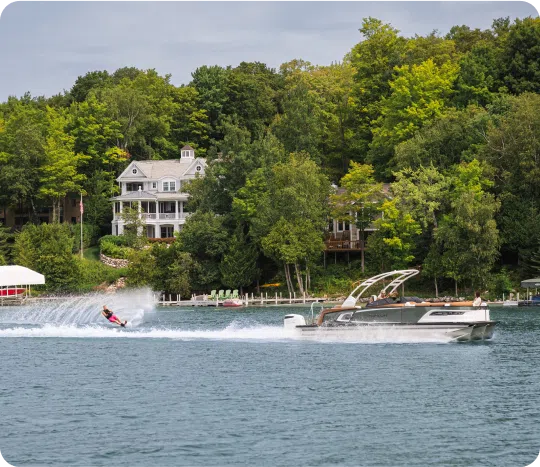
<point>82,210</point>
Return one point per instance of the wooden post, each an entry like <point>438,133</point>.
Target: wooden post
<point>304,297</point>
<point>294,296</point>
<point>290,298</point>
<point>276,298</point>
<point>262,299</point>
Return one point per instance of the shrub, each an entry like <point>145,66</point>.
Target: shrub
<point>118,240</point>
<point>94,273</point>
<point>162,240</point>
<point>114,251</point>
<point>47,248</point>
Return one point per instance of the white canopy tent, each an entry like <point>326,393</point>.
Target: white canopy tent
<point>15,277</point>
<point>19,275</point>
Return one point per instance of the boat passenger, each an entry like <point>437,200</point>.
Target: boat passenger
<point>477,300</point>
<point>381,295</point>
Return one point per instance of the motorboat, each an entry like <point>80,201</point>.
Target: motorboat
<point>232,302</point>
<point>410,316</point>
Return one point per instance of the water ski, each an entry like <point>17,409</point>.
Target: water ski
<point>124,324</point>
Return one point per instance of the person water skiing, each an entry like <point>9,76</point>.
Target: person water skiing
<point>112,317</point>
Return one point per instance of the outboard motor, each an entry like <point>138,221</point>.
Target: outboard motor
<point>291,321</point>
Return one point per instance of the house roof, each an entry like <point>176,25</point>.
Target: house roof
<point>531,283</point>
<point>135,195</point>
<point>19,275</point>
<point>154,170</point>
<point>187,147</point>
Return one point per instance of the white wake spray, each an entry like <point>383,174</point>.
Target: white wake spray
<point>130,305</point>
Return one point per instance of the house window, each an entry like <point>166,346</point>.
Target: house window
<point>134,171</point>
<point>169,186</point>
<point>134,186</point>
<point>167,231</point>
<point>154,185</point>
<point>342,226</point>
<point>73,202</point>
<point>198,168</point>
<point>117,207</point>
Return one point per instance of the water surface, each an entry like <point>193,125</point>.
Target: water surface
<point>218,387</point>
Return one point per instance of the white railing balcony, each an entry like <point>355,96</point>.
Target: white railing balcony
<point>169,215</point>
<point>149,215</point>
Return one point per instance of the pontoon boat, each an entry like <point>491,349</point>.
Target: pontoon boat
<point>412,316</point>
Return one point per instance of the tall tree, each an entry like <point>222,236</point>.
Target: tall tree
<point>60,174</point>
<point>419,94</point>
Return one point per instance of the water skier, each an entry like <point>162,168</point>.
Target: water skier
<point>112,317</point>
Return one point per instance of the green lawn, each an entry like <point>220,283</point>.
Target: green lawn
<point>92,253</point>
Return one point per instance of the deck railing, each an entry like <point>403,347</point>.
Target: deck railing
<point>332,245</point>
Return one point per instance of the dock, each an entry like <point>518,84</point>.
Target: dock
<point>247,300</point>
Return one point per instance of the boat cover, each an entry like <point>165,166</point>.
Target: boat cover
<point>530,283</point>
<point>19,275</point>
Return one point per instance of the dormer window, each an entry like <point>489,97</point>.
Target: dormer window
<point>134,171</point>
<point>169,186</point>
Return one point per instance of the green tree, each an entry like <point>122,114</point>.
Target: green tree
<point>5,245</point>
<point>359,201</point>
<point>211,85</point>
<point>468,234</point>
<point>512,149</point>
<point>239,265</point>
<point>375,59</point>
<point>419,94</point>
<point>60,174</point>
<point>520,56</point>
<point>391,245</point>
<point>47,249</point>
<point>141,269</point>
<point>455,136</point>
<point>134,228</point>
<point>295,201</point>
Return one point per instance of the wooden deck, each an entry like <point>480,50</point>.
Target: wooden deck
<point>343,245</point>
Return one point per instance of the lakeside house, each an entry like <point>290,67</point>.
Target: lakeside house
<point>343,236</point>
<point>155,189</point>
<point>15,217</point>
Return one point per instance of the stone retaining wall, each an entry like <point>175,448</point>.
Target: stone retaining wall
<point>113,262</point>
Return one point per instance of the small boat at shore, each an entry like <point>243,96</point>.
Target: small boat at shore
<point>7,292</point>
<point>410,316</point>
<point>232,302</point>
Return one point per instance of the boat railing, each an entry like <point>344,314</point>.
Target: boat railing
<point>313,311</point>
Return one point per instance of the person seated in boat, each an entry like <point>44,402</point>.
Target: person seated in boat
<point>109,315</point>
<point>477,300</point>
<point>381,295</point>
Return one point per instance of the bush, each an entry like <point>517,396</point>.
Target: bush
<point>162,240</point>
<point>112,250</point>
<point>118,240</point>
<point>47,249</point>
<point>94,273</point>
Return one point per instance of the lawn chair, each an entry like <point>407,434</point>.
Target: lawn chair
<point>213,295</point>
<point>227,294</point>
<point>235,293</point>
<point>221,295</point>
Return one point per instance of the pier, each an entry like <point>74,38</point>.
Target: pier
<point>247,300</point>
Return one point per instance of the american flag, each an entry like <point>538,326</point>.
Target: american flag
<point>81,206</point>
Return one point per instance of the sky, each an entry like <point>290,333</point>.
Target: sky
<point>47,45</point>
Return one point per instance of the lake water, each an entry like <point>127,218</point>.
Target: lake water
<point>217,387</point>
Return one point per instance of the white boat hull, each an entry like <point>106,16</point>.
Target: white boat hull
<point>397,332</point>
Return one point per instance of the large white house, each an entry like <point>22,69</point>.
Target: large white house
<point>155,189</point>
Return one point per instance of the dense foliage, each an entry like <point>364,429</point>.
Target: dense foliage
<point>451,122</point>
